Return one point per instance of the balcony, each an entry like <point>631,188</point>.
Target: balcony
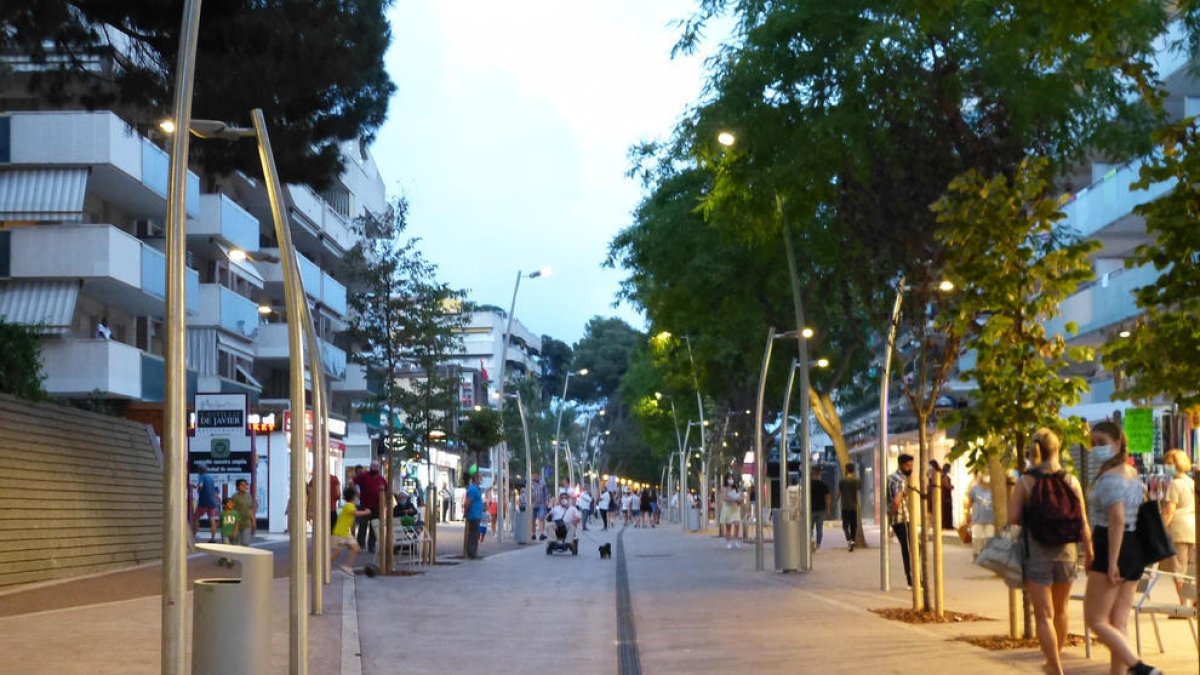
<point>1111,199</point>
<point>317,284</point>
<point>113,266</point>
<point>322,218</point>
<point>221,217</point>
<point>1104,303</point>
<point>272,345</point>
<point>126,168</point>
<point>81,367</point>
<point>355,382</point>
<point>222,307</point>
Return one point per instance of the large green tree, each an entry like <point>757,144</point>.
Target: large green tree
<point>315,67</point>
<point>1161,355</point>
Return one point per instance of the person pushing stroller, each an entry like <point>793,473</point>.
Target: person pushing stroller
<point>566,519</point>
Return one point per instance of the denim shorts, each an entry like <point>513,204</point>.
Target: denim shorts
<point>1048,572</point>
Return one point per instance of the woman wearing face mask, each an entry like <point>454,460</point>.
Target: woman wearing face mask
<point>1118,562</point>
<point>1179,515</point>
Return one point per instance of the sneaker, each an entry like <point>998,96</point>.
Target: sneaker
<point>729,545</point>
<point>1141,668</point>
<point>737,545</point>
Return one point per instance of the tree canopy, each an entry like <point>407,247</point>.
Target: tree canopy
<point>315,67</point>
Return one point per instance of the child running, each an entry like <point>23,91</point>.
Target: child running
<point>341,529</point>
<point>231,524</point>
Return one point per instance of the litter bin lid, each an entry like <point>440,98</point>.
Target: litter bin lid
<point>231,551</point>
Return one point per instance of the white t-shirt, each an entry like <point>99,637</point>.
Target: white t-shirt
<point>626,500</point>
<point>585,501</point>
<point>605,500</point>
<point>568,514</point>
<point>635,503</point>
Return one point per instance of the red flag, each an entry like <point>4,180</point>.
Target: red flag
<point>484,370</point>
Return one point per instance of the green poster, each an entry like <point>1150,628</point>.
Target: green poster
<point>1139,430</point>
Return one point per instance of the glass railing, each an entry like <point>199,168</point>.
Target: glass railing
<point>334,360</point>
<point>156,167</point>
<point>239,314</point>
<point>310,274</point>
<point>154,272</point>
<point>238,227</point>
<point>1104,303</point>
<point>334,295</point>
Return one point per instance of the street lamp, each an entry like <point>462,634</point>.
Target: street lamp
<point>683,480</point>
<point>558,425</point>
<point>759,457</point>
<point>666,335</point>
<point>804,505</point>
<point>501,454</point>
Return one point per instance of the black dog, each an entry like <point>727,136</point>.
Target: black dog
<point>605,551</point>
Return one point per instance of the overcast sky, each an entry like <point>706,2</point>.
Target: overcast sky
<point>509,133</point>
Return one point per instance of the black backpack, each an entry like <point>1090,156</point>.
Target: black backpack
<point>1053,514</point>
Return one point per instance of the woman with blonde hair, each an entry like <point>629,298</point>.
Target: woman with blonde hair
<point>1118,562</point>
<point>1179,515</point>
<point>1049,565</point>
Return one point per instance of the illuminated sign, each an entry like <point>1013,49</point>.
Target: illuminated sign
<point>337,427</point>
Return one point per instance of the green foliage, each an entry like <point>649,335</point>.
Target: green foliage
<point>481,430</point>
<point>20,362</point>
<point>556,361</point>
<point>315,67</point>
<point>1014,264</point>
<point>1162,354</point>
<point>404,323</point>
<point>604,350</point>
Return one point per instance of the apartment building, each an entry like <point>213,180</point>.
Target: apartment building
<point>479,358</point>
<point>82,210</point>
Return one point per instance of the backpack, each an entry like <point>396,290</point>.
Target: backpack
<point>1053,513</point>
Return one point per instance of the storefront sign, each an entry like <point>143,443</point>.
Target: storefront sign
<point>1139,430</point>
<point>221,440</point>
<point>337,427</point>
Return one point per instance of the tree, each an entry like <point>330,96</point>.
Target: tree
<point>556,361</point>
<point>1015,263</point>
<point>20,362</point>
<point>1160,355</point>
<point>315,67</point>
<point>481,431</point>
<point>604,350</point>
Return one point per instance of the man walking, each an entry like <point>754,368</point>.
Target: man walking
<point>821,502</point>
<point>370,484</point>
<point>539,497</point>
<point>848,491</point>
<point>898,509</point>
<point>206,503</point>
<point>447,499</point>
<point>473,506</point>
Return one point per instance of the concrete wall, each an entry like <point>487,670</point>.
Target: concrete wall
<point>79,493</point>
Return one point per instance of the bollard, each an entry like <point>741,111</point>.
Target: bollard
<point>231,618</point>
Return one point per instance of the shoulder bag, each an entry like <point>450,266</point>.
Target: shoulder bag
<point>1152,534</point>
<point>1003,554</point>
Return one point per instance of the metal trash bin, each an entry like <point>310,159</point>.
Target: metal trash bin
<point>789,531</point>
<point>231,617</point>
<point>521,527</point>
<point>694,520</point>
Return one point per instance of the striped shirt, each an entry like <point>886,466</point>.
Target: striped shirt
<point>898,484</point>
<point>539,496</point>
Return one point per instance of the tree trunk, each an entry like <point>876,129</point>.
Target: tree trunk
<point>923,452</point>
<point>831,423</point>
<point>1000,495</point>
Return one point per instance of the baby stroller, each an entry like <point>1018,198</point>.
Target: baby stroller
<point>559,543</point>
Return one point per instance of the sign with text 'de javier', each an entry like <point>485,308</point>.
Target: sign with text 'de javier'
<point>221,440</point>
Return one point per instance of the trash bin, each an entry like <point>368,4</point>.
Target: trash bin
<point>694,520</point>
<point>789,531</point>
<point>521,527</point>
<point>231,618</point>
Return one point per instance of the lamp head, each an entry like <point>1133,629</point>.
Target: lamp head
<point>726,138</point>
<point>946,286</point>
<point>582,372</point>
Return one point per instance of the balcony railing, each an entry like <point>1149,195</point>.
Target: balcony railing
<point>80,367</point>
<point>1104,303</point>
<point>219,306</point>
<point>221,217</point>
<point>272,345</point>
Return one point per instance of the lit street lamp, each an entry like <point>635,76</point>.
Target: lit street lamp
<point>500,466</point>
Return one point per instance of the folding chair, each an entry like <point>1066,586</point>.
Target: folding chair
<point>1144,605</point>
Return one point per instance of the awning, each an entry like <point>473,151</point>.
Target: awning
<point>47,305</point>
<point>235,346</point>
<point>249,378</point>
<point>42,194</point>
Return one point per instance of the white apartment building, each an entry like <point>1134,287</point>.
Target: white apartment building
<point>482,343</point>
<point>82,209</point>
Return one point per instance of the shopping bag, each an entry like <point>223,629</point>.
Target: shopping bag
<point>964,533</point>
<point>1152,534</point>
<point>1003,555</point>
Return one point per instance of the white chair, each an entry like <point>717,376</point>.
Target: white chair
<point>1144,605</point>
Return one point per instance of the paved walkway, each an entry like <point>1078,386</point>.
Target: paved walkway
<point>696,607</point>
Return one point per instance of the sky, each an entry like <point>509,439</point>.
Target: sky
<point>509,135</point>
